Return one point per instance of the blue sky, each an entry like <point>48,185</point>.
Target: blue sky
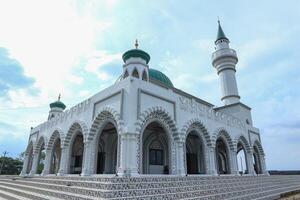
<point>75,48</point>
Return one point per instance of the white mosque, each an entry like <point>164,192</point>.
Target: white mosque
<point>144,125</point>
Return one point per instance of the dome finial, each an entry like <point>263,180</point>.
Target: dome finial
<point>59,96</point>
<point>136,44</point>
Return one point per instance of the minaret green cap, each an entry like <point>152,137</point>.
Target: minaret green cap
<point>221,34</point>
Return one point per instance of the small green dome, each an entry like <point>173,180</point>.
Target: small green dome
<point>58,104</point>
<point>136,53</point>
<point>160,77</point>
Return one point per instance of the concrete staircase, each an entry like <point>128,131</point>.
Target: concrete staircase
<point>158,187</point>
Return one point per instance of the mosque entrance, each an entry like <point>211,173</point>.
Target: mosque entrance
<point>222,157</point>
<point>77,154</point>
<point>194,154</point>
<point>155,150</point>
<point>107,150</point>
<point>55,157</point>
<point>256,161</point>
<point>242,159</point>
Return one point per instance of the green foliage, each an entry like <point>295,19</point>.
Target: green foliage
<point>10,166</point>
<point>41,162</point>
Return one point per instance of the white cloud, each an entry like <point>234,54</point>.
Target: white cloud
<point>99,59</point>
<point>250,51</point>
<point>48,38</point>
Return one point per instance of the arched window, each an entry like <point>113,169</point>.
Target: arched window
<point>126,74</point>
<point>144,77</point>
<point>135,73</point>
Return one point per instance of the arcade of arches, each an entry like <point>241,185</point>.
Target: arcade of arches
<point>155,148</point>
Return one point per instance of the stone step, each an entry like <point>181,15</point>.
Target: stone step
<point>196,187</point>
<point>207,194</point>
<point>10,196</point>
<point>162,178</point>
<point>266,195</point>
<point>133,185</point>
<point>14,193</point>
<point>158,184</point>
<point>138,191</point>
<point>55,194</point>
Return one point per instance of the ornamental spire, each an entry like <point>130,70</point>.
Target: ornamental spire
<point>136,44</point>
<point>221,34</point>
<point>59,96</point>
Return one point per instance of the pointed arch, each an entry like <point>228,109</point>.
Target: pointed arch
<point>259,147</point>
<point>258,157</point>
<point>126,74</point>
<point>135,73</point>
<point>40,142</point>
<point>106,114</point>
<point>57,133</point>
<point>76,126</point>
<point>223,148</point>
<point>243,154</point>
<point>241,139</point>
<point>29,147</point>
<point>223,134</point>
<point>162,118</point>
<point>144,76</point>
<point>107,120</point>
<point>196,125</point>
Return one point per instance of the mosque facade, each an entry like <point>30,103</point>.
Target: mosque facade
<point>144,125</point>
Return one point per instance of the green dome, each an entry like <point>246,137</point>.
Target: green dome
<point>136,53</point>
<point>58,104</point>
<point>160,77</point>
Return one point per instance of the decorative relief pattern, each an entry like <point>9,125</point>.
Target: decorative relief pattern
<point>56,134</point>
<point>192,106</point>
<point>244,142</point>
<point>160,115</point>
<point>65,116</point>
<point>258,145</point>
<point>76,125</point>
<point>223,133</point>
<point>197,125</point>
<point>39,144</point>
<point>107,114</point>
<point>104,115</point>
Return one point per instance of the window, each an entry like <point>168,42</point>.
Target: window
<point>144,77</point>
<point>135,73</point>
<point>125,74</point>
<point>156,157</point>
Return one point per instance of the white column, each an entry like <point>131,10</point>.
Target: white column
<point>211,160</point>
<point>250,163</point>
<point>34,164</point>
<point>233,161</point>
<point>263,165</point>
<point>128,154</point>
<point>87,165</point>
<point>63,167</point>
<point>47,163</point>
<point>180,145</point>
<point>25,165</point>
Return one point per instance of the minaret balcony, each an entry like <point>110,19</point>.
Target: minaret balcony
<point>223,53</point>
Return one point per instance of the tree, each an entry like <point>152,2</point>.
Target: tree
<point>11,166</point>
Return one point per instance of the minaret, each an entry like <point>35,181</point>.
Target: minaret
<point>136,63</point>
<point>224,60</point>
<point>56,108</point>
